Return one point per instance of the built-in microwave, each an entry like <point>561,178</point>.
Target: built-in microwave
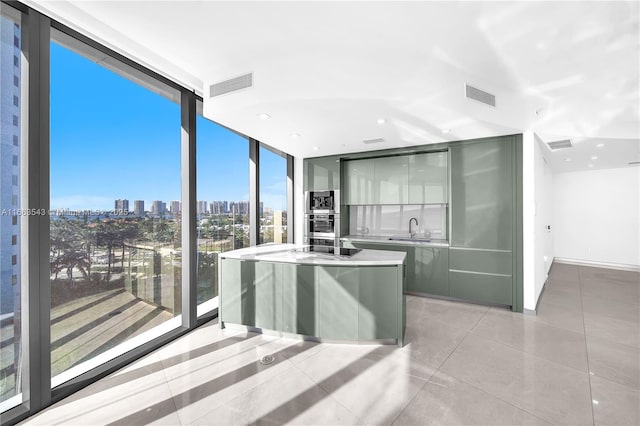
<point>322,202</point>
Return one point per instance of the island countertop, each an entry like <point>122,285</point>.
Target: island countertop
<point>293,253</point>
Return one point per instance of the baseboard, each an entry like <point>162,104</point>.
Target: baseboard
<point>594,264</point>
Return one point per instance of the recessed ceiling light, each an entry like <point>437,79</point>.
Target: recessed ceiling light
<point>590,165</point>
<point>295,135</point>
<point>595,157</point>
<point>446,130</point>
<point>381,120</point>
<point>567,160</point>
<point>600,145</point>
<point>264,116</point>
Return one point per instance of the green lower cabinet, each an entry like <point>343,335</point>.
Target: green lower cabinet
<point>484,288</point>
<point>268,295</point>
<point>377,318</point>
<point>299,300</point>
<point>485,261</point>
<point>431,270</point>
<point>237,296</point>
<point>337,289</point>
<point>408,249</point>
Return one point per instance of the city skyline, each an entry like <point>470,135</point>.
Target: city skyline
<point>132,144</point>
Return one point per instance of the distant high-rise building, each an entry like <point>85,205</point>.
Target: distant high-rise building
<point>202,207</point>
<point>219,207</point>
<point>122,205</point>
<point>239,207</point>
<point>158,207</point>
<point>175,207</point>
<point>10,83</point>
<point>138,207</point>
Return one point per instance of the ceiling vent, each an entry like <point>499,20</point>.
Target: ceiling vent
<point>560,144</point>
<point>370,141</point>
<point>231,85</point>
<point>479,95</point>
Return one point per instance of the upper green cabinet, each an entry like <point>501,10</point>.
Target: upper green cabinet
<point>391,180</point>
<point>428,177</point>
<point>321,173</point>
<point>359,182</point>
<point>400,179</point>
<point>482,194</point>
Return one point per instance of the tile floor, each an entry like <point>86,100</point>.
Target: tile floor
<point>577,362</point>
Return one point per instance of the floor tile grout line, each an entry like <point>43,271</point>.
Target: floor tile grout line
<point>503,400</point>
<point>586,349</point>
<point>329,393</point>
<point>323,389</point>
<point>222,360</point>
<point>506,345</point>
<point>441,364</point>
<point>244,393</point>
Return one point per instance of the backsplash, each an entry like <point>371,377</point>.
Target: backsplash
<point>390,220</point>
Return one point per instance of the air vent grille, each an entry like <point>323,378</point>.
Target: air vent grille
<point>479,95</point>
<point>560,144</point>
<point>231,85</point>
<point>377,140</point>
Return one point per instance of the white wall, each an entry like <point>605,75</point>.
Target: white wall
<point>596,216</point>
<point>528,209</point>
<point>537,214</point>
<point>543,218</point>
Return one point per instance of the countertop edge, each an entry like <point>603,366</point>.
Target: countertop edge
<point>386,240</point>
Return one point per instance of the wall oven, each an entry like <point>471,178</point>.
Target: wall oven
<point>322,219</point>
<point>322,225</point>
<point>322,202</point>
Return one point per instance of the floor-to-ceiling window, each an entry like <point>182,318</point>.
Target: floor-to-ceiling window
<point>273,197</point>
<point>222,183</point>
<point>11,209</point>
<point>115,259</point>
<point>108,239</point>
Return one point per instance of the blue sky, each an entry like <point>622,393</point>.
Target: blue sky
<point>111,138</point>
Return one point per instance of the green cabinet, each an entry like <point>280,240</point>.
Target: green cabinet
<point>337,302</point>
<point>321,173</point>
<point>483,288</point>
<point>350,302</point>
<point>431,270</point>
<point>401,179</point>
<point>482,194</point>
<point>299,299</point>
<point>408,249</point>
<point>391,180</point>
<point>428,178</point>
<point>483,188</point>
<point>268,295</point>
<point>427,268</point>
<point>377,318</point>
<point>359,182</point>
<point>237,296</point>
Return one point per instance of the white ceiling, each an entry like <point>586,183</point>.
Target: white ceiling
<point>329,70</point>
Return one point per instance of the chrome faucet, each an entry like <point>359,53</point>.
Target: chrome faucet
<point>410,220</point>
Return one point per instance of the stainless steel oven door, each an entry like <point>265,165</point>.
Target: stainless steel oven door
<point>322,225</point>
<point>324,202</point>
